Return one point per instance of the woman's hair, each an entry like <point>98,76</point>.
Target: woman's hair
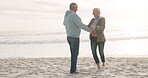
<point>96,9</point>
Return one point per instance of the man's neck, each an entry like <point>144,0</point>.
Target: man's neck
<point>74,11</point>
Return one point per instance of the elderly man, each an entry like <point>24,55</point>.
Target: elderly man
<point>97,38</point>
<point>73,25</point>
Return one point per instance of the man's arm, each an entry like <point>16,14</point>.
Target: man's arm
<point>76,19</point>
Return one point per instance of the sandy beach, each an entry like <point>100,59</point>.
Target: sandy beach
<point>58,67</point>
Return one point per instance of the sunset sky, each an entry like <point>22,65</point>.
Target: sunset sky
<point>47,15</point>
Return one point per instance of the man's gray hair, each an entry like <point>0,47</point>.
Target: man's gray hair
<point>96,9</point>
<point>72,5</point>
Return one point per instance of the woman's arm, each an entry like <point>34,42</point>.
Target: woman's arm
<point>101,25</point>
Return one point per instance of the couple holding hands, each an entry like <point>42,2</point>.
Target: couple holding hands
<point>73,26</point>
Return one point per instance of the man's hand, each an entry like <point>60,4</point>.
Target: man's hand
<point>92,27</point>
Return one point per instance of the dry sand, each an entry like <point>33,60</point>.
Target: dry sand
<point>125,67</point>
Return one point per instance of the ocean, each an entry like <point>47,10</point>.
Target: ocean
<point>54,44</point>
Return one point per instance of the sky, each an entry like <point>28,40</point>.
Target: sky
<point>47,15</point>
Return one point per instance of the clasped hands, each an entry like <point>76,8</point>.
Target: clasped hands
<point>92,26</point>
<point>94,34</point>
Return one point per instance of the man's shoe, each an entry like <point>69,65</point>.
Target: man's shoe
<point>74,72</point>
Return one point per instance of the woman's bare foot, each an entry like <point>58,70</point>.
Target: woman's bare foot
<point>98,65</point>
<point>103,64</point>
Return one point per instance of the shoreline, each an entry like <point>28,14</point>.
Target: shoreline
<point>126,48</point>
<point>111,56</point>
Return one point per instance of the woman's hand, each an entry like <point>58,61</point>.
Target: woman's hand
<point>94,34</point>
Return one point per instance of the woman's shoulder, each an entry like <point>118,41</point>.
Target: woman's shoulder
<point>101,17</point>
<point>92,19</point>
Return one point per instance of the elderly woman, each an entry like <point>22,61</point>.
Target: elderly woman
<point>97,38</point>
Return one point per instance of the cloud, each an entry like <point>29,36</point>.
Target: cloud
<point>30,9</point>
<point>51,12</point>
